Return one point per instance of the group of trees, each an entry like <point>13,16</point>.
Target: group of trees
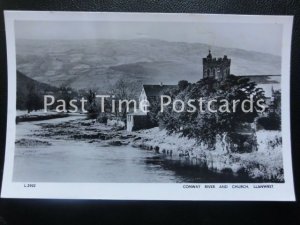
<point>125,90</point>
<point>29,98</point>
<point>33,100</point>
<point>32,96</point>
<point>205,126</point>
<point>273,120</point>
<point>121,90</point>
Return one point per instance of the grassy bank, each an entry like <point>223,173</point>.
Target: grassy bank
<point>264,165</point>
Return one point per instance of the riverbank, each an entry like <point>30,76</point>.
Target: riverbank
<point>76,149</point>
<point>39,117</point>
<point>76,128</point>
<point>264,165</point>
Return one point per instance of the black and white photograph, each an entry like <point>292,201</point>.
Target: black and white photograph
<point>166,106</point>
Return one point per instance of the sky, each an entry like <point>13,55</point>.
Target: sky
<point>266,38</point>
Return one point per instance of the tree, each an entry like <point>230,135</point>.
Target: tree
<point>183,84</point>
<point>34,100</point>
<point>273,119</point>
<point>92,107</point>
<point>125,90</point>
<point>66,93</point>
<point>154,109</point>
<point>205,125</point>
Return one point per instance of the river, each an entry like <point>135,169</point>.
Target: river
<point>81,161</point>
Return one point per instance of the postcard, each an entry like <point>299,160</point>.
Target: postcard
<point>148,106</point>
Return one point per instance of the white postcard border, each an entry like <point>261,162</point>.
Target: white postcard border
<point>145,191</point>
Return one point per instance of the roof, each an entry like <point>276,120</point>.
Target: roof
<point>264,79</point>
<point>157,90</point>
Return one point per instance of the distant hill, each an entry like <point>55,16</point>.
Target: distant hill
<point>25,85</point>
<point>100,63</point>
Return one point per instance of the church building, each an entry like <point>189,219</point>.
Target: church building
<point>216,68</point>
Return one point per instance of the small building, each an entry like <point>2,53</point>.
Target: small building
<point>140,120</point>
<point>151,92</point>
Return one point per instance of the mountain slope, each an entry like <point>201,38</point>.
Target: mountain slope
<point>100,63</point>
<point>25,85</point>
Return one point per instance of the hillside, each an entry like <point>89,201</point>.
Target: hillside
<point>100,63</point>
<point>25,84</point>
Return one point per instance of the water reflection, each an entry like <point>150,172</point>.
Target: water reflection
<point>193,170</point>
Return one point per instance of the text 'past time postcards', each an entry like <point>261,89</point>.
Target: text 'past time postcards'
<point>148,106</point>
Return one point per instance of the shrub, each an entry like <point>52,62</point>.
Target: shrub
<point>102,118</point>
<point>272,122</point>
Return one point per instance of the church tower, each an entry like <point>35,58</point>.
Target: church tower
<point>216,68</point>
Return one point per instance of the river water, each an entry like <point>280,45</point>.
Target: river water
<point>80,161</point>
